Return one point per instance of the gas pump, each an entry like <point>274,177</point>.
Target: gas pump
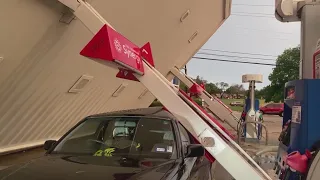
<point>251,108</point>
<point>300,123</point>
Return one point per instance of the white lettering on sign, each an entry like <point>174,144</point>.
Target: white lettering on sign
<point>125,73</point>
<point>129,52</point>
<point>145,51</point>
<point>117,45</point>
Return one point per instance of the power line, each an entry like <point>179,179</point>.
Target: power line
<point>251,29</point>
<point>237,52</point>
<point>259,36</point>
<point>266,38</point>
<point>225,60</point>
<point>237,56</point>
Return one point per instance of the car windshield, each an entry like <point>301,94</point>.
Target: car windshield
<point>120,136</point>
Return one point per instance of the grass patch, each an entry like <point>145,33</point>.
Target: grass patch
<point>225,101</point>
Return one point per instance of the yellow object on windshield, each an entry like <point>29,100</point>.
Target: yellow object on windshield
<point>107,152</point>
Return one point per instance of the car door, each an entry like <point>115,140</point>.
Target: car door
<point>274,109</point>
<point>269,109</point>
<point>195,168</point>
<point>278,108</point>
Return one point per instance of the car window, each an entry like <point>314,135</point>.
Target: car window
<point>270,106</point>
<point>185,138</point>
<point>118,136</point>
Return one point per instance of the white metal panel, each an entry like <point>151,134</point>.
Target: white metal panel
<point>310,28</point>
<point>222,151</point>
<point>41,61</point>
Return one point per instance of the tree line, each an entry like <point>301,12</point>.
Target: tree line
<point>218,88</point>
<point>287,69</point>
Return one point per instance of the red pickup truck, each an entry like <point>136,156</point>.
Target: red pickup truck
<point>273,108</point>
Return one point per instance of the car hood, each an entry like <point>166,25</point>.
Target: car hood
<point>80,168</point>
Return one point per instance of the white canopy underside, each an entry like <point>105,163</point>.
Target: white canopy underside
<point>41,62</point>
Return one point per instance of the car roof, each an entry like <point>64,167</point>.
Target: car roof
<point>159,112</point>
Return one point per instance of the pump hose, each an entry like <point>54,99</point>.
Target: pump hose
<point>267,149</point>
<point>241,127</point>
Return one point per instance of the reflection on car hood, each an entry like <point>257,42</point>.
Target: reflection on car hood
<point>80,168</point>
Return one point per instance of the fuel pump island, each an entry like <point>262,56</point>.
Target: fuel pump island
<point>251,115</point>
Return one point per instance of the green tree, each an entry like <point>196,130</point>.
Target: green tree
<point>211,88</point>
<point>183,87</point>
<point>222,85</point>
<point>260,93</point>
<point>236,89</point>
<point>200,80</point>
<point>287,69</point>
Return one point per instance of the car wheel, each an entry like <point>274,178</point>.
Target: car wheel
<point>261,112</point>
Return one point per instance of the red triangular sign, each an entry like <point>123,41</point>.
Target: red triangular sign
<point>203,86</point>
<point>99,46</point>
<point>195,89</point>
<point>126,74</point>
<point>146,53</point>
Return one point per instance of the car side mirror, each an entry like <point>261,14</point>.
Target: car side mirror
<point>48,144</point>
<point>195,150</point>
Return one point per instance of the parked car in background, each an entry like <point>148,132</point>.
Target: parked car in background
<point>148,143</point>
<point>236,103</point>
<point>273,108</point>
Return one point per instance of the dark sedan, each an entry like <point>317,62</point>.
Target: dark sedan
<point>134,144</point>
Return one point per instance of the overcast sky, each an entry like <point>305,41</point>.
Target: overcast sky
<point>252,28</point>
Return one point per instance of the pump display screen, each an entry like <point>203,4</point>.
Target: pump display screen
<point>290,93</point>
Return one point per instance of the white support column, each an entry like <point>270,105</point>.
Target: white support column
<point>310,33</point>
<point>219,149</point>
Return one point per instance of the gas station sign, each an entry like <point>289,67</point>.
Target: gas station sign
<point>109,45</point>
<point>316,62</point>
